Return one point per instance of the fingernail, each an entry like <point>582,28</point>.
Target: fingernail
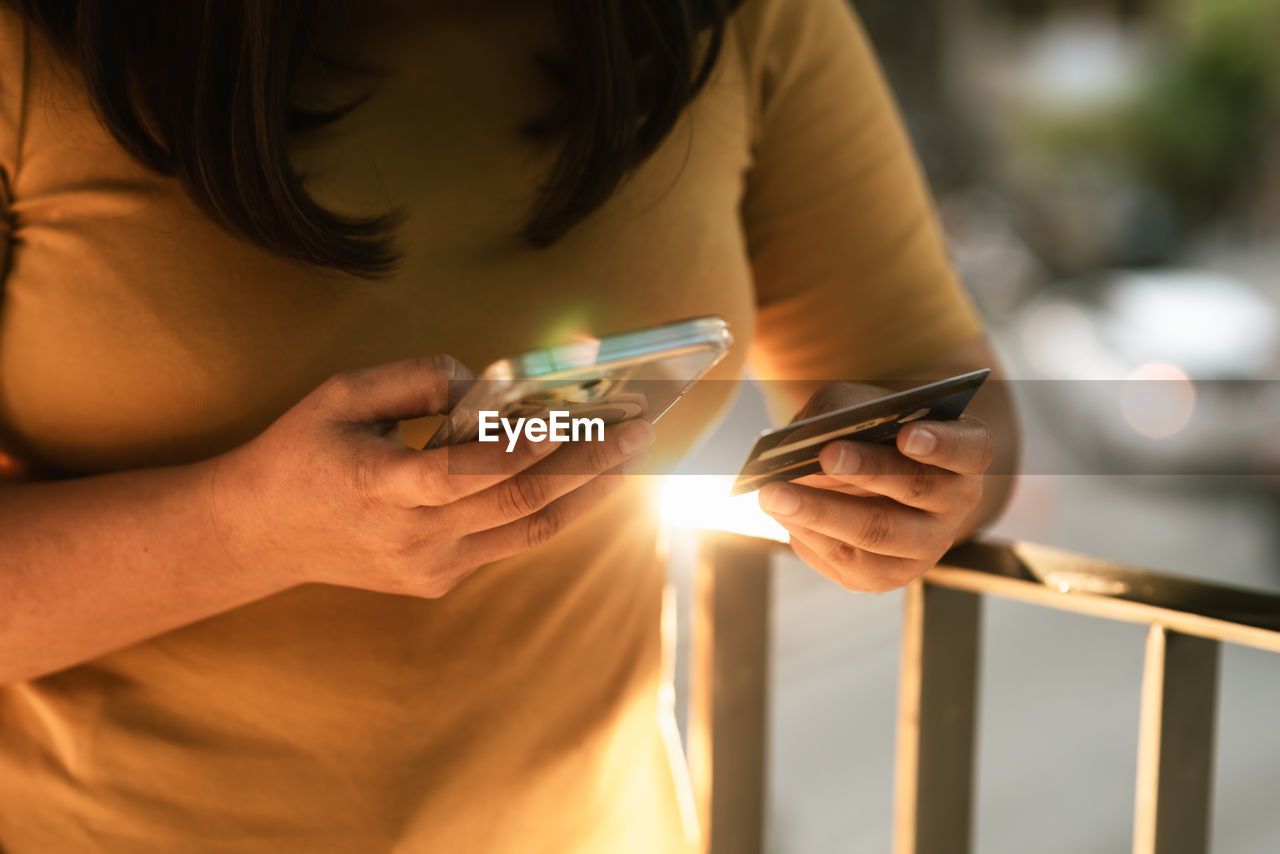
<point>848,460</point>
<point>779,500</point>
<point>921,442</point>
<point>636,435</point>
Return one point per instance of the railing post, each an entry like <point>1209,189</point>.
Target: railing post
<point>728,696</point>
<point>937,712</point>
<point>1176,743</point>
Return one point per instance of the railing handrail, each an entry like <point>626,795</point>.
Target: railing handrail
<point>1186,618</point>
<point>1070,581</point>
<point>1085,585</point>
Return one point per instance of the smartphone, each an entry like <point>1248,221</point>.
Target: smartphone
<point>637,374</point>
<point>791,451</point>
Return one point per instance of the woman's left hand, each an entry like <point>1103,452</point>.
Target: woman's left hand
<point>880,515</point>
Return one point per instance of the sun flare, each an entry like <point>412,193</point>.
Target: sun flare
<point>703,502</point>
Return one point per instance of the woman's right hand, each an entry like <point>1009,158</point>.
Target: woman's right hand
<point>330,493</point>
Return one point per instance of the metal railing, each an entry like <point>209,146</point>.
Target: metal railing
<point>1187,622</point>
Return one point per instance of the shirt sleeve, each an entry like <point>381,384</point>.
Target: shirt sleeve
<point>852,277</point>
<point>12,90</point>
<point>12,87</point>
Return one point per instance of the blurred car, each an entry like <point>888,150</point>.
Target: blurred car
<point>1171,371</point>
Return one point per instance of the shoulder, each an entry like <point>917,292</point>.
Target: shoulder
<point>803,59</point>
<point>770,26</point>
<point>779,37</point>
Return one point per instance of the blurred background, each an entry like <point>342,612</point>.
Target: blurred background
<point>1108,175</point>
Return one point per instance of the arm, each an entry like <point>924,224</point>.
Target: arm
<point>328,493</point>
<point>857,296</point>
<point>94,564</point>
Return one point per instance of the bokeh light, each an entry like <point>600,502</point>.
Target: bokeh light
<point>1157,400</point>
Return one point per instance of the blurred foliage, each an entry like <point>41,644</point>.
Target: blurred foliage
<point>1201,123</point>
<point>1197,127</point>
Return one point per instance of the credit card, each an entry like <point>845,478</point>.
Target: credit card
<point>791,451</point>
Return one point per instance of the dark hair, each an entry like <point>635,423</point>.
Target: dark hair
<point>199,89</point>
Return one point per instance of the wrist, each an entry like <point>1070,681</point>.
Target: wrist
<point>997,490</point>
<point>232,529</point>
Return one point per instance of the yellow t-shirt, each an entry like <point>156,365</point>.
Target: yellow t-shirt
<point>520,713</point>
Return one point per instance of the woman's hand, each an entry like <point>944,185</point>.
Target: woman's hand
<point>330,493</point>
<point>879,515</point>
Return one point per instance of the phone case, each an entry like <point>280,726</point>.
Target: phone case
<point>637,374</point>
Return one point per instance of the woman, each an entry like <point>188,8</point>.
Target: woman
<point>239,614</point>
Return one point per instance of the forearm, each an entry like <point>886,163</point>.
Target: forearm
<point>94,564</point>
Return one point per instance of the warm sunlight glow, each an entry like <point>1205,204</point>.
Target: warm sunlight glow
<point>702,501</point>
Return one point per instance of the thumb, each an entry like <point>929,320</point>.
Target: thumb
<point>398,391</point>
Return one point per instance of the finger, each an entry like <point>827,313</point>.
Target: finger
<point>398,391</point>
<point>535,529</point>
<point>851,567</point>
<point>530,491</point>
<point>879,525</point>
<point>882,470</point>
<point>964,446</point>
<point>441,476</point>
<point>825,481</point>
